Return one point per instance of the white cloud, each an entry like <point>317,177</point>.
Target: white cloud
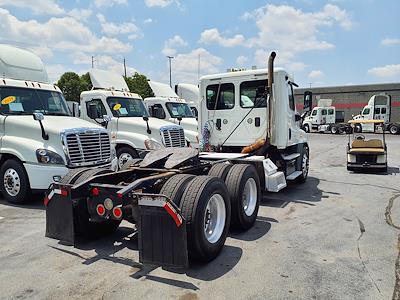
<point>62,34</point>
<point>104,62</point>
<point>148,21</point>
<point>43,52</point>
<point>290,31</point>
<point>385,71</point>
<point>185,66</point>
<point>316,74</point>
<point>38,6</point>
<point>210,36</point>
<point>158,3</point>
<point>80,14</point>
<point>109,3</point>
<point>55,71</point>
<point>390,42</point>
<point>110,28</point>
<point>241,60</point>
<point>171,45</point>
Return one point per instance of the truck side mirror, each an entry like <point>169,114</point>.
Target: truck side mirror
<point>297,117</point>
<point>92,112</point>
<point>74,108</point>
<point>307,101</point>
<point>158,112</point>
<point>38,116</point>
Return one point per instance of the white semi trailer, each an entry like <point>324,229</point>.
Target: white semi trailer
<point>40,141</point>
<point>124,114</point>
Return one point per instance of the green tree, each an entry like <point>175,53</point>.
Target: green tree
<point>139,84</point>
<point>72,85</point>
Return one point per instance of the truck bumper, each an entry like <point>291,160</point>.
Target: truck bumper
<point>42,176</point>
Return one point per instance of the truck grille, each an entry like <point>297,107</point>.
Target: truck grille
<point>173,136</point>
<point>87,147</point>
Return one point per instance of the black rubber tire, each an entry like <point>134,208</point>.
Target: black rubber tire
<point>82,225</point>
<point>357,128</point>
<point>394,129</point>
<point>25,189</point>
<point>129,150</point>
<point>220,170</point>
<point>193,208</point>
<point>72,175</point>
<point>334,129</point>
<point>174,187</point>
<point>235,182</point>
<point>303,177</point>
<point>130,163</point>
<point>306,128</point>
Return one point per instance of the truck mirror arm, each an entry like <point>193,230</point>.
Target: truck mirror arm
<point>146,119</point>
<point>39,117</point>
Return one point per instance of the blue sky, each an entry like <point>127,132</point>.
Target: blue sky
<point>320,42</point>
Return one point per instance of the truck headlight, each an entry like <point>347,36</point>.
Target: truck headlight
<point>152,145</point>
<point>45,156</point>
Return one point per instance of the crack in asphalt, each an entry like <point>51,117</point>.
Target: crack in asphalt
<point>362,230</point>
<point>389,221</point>
<point>361,184</point>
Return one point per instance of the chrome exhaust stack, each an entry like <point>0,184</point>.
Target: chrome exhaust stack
<point>270,95</point>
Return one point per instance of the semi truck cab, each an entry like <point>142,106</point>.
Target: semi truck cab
<point>124,115</point>
<point>39,139</point>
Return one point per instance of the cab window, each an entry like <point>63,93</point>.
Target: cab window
<point>377,111</point>
<point>220,96</point>
<point>383,110</point>
<point>157,111</point>
<point>252,93</point>
<point>101,110</point>
<point>314,112</point>
<point>323,112</point>
<point>291,97</point>
<point>330,111</point>
<point>366,111</point>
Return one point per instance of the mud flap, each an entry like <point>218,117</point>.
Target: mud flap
<point>162,240</point>
<point>60,218</point>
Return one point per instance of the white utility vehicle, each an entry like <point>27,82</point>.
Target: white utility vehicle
<point>323,119</point>
<point>39,139</point>
<point>189,92</point>
<point>166,105</point>
<point>253,112</point>
<point>124,114</point>
<point>378,108</point>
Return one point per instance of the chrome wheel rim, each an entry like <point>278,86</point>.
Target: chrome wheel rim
<point>214,218</point>
<point>123,159</point>
<point>305,163</point>
<point>250,197</point>
<point>12,182</point>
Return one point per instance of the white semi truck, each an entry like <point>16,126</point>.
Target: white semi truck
<point>166,105</point>
<point>323,119</point>
<point>378,108</point>
<point>39,139</point>
<point>124,114</point>
<point>189,92</point>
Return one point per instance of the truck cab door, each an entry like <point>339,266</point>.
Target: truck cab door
<point>367,114</point>
<point>2,128</point>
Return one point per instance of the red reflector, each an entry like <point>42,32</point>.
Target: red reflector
<point>117,212</point>
<point>100,209</point>
<point>95,191</point>
<point>64,193</point>
<point>119,195</point>
<point>171,211</point>
<point>46,201</point>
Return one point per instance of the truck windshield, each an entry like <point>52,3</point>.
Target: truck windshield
<point>24,101</point>
<point>127,107</point>
<point>179,110</point>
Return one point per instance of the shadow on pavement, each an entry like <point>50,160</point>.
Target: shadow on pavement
<point>260,228</point>
<point>35,202</point>
<point>305,193</point>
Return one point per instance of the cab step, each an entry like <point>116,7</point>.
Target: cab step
<point>290,156</point>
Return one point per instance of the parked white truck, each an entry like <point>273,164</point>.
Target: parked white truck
<point>124,114</point>
<point>39,139</point>
<point>189,92</point>
<point>378,108</point>
<point>323,119</point>
<point>166,105</point>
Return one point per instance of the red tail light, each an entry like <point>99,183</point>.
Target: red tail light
<point>95,191</point>
<point>117,212</point>
<point>100,209</point>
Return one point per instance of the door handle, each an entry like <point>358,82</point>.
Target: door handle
<point>218,124</point>
<point>257,121</point>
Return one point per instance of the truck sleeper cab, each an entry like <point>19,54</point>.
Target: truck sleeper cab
<point>39,140</point>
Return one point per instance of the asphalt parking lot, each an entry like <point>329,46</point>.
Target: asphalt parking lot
<point>335,237</point>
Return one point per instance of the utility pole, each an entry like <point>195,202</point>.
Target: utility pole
<point>170,72</point>
<point>124,67</point>
<point>93,60</point>
<point>310,83</point>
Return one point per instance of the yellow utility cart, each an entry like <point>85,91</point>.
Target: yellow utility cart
<point>367,154</point>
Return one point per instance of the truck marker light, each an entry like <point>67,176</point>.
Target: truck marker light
<point>119,195</point>
<point>108,204</point>
<point>95,191</point>
<point>173,213</point>
<point>100,210</point>
<point>117,212</point>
